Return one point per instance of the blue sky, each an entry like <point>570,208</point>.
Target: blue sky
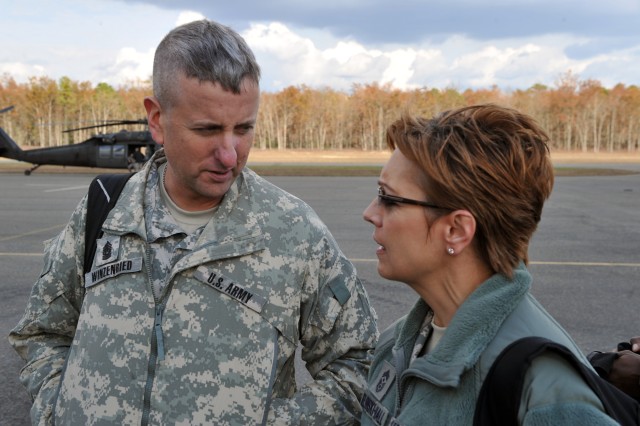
<point>512,44</point>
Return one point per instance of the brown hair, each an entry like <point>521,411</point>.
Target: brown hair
<point>489,160</point>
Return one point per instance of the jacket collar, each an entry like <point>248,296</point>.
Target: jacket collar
<point>472,328</point>
<point>233,220</point>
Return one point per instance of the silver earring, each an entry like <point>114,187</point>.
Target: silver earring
<point>450,250</point>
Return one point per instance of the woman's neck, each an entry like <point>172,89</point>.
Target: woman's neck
<point>446,292</point>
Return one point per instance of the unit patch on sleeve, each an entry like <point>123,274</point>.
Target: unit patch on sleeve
<point>234,290</point>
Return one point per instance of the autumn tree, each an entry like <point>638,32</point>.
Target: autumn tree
<point>577,114</point>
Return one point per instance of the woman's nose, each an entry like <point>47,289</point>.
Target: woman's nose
<point>370,213</point>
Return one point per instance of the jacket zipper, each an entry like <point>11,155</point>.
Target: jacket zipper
<point>158,351</point>
<point>157,344</point>
<point>399,359</point>
<point>272,378</point>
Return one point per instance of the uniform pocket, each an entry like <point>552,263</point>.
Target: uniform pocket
<point>329,305</point>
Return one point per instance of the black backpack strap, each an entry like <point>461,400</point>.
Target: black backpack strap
<point>602,362</point>
<point>501,390</point>
<point>103,194</point>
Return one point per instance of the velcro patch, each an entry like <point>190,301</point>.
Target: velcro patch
<point>107,250</point>
<point>380,386</point>
<point>224,285</point>
<point>111,270</point>
<point>374,409</point>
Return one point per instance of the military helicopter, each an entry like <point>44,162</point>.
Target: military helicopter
<point>107,150</point>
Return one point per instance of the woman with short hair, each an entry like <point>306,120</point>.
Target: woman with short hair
<point>457,204</point>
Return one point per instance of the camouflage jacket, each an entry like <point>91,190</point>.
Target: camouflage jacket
<point>217,345</point>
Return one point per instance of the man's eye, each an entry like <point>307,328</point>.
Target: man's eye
<point>205,130</point>
<point>244,130</point>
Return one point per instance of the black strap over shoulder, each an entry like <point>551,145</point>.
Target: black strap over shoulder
<point>501,390</point>
<point>103,194</point>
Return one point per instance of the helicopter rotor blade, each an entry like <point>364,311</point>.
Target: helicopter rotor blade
<point>116,122</point>
<point>107,123</point>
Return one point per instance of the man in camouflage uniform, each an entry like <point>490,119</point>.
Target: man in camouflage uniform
<point>205,281</point>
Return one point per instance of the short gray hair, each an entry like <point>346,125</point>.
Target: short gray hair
<point>204,50</point>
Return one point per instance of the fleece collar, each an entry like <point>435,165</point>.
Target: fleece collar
<point>474,325</point>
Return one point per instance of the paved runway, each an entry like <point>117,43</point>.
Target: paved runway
<point>585,257</point>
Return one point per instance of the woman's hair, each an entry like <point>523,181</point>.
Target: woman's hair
<point>489,160</point>
<point>204,50</point>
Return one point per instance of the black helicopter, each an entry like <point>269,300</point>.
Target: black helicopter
<point>107,150</point>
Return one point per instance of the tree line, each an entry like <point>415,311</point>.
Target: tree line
<point>579,115</point>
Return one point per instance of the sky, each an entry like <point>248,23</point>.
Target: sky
<point>408,44</point>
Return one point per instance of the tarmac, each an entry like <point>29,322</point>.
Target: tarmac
<point>584,257</point>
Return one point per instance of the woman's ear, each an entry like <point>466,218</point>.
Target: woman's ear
<point>460,230</point>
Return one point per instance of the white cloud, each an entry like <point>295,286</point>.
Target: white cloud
<point>288,58</point>
<point>92,40</point>
<point>83,43</point>
<point>188,16</point>
<point>345,50</point>
<point>21,72</point>
<point>285,58</point>
<point>514,63</point>
<point>400,69</point>
<point>131,67</point>
<point>615,67</point>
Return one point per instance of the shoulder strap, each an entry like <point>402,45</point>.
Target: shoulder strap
<point>501,390</point>
<point>103,194</point>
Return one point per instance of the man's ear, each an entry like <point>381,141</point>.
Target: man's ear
<point>460,230</point>
<point>152,106</point>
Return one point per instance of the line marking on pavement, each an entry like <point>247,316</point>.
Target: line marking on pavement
<point>632,265</point>
<point>610,264</point>
<point>68,188</point>
<point>35,231</point>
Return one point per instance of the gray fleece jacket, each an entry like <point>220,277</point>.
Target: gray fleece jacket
<point>441,387</point>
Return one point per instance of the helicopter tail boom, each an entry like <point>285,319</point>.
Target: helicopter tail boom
<point>8,147</point>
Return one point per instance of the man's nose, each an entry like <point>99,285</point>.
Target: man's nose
<point>226,151</point>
